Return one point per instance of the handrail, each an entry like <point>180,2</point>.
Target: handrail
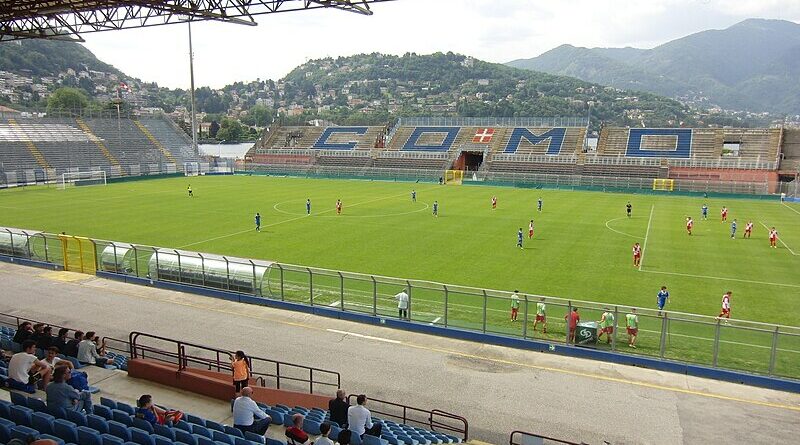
<point>220,364</point>
<point>428,418</point>
<point>538,436</point>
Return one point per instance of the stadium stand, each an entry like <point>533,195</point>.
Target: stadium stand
<point>790,164</point>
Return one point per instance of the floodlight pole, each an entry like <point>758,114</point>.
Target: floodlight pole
<point>191,92</point>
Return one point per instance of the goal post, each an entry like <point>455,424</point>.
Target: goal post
<point>663,184</point>
<point>191,168</point>
<point>97,177</point>
<point>453,177</point>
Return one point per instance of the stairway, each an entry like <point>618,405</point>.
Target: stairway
<point>167,154</point>
<point>99,143</point>
<point>30,145</point>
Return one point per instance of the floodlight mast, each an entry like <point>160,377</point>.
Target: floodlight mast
<point>191,93</point>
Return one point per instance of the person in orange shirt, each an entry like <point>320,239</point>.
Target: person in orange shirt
<point>241,371</point>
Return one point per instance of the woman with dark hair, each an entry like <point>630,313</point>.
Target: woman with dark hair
<point>155,415</point>
<point>24,332</point>
<point>241,370</point>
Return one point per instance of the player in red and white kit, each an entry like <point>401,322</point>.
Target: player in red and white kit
<point>748,229</point>
<point>689,224</point>
<point>530,230</point>
<point>338,207</point>
<point>773,238</point>
<point>494,202</point>
<point>726,306</point>
<point>637,254</point>
<point>724,214</point>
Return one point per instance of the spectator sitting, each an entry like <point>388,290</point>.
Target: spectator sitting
<point>24,332</point>
<point>88,351</point>
<point>155,415</point>
<point>71,350</point>
<point>43,337</point>
<point>60,342</point>
<point>338,408</point>
<point>245,412</point>
<point>323,439</point>
<point>295,432</point>
<point>78,380</point>
<point>61,395</point>
<point>359,419</point>
<point>24,369</point>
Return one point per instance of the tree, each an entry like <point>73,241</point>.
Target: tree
<point>230,130</point>
<point>258,116</point>
<point>213,129</point>
<point>67,99</point>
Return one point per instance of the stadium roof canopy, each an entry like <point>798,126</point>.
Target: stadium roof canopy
<point>68,19</point>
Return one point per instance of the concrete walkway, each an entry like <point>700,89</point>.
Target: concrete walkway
<point>497,389</point>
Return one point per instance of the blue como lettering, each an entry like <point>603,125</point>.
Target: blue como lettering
<point>323,143</point>
<point>682,137</point>
<point>556,136</point>
<point>449,133</point>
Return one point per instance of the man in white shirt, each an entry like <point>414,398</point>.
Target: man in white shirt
<point>245,412</point>
<point>23,365</point>
<point>87,351</point>
<point>402,304</point>
<point>359,419</point>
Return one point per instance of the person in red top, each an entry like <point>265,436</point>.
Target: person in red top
<point>494,202</point>
<point>724,213</point>
<point>295,432</point>
<point>748,229</point>
<point>530,230</point>
<point>726,306</point>
<point>338,206</point>
<point>689,224</point>
<point>637,254</point>
<point>572,321</point>
<point>773,238</point>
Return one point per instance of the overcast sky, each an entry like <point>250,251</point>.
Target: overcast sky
<point>492,30</point>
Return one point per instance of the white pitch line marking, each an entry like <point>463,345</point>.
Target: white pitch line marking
<point>722,278</point>
<point>367,337</point>
<point>334,304</point>
<point>644,245</point>
<point>620,232</point>
<point>779,239</point>
<point>790,208</point>
<point>435,320</point>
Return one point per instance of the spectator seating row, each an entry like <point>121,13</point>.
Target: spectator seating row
<point>7,343</point>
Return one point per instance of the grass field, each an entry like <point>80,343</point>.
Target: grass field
<point>582,247</point>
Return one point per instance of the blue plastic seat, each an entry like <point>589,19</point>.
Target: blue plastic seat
<point>185,437</point>
<point>4,409</point>
<point>55,439</point>
<point>240,441</point>
<point>98,423</point>
<point>89,436</point>
<point>143,425</point>
<point>274,442</point>
<point>161,440</point>
<point>201,431</point>
<point>191,418</point>
<point>165,431</point>
<point>203,440</point>
<point>5,430</point>
<point>22,432</point>
<point>126,408</point>
<point>253,437</point>
<point>277,416</point>
<point>232,431</point>
<point>19,399</point>
<point>372,440</point>
<point>219,436</point>
<point>42,422</point>
<point>108,439</point>
<point>103,411</point>
<point>141,436</point>
<point>112,404</point>
<point>37,404</point>
<point>21,415</point>
<point>65,430</point>
<point>119,430</point>
<point>287,420</point>
<point>183,425</point>
<point>355,439</point>
<point>311,427</point>
<point>75,417</point>
<point>121,417</point>
<point>210,424</point>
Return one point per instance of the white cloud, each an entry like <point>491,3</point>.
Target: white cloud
<point>493,30</point>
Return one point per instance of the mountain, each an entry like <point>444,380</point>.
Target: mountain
<point>752,65</point>
<point>49,57</point>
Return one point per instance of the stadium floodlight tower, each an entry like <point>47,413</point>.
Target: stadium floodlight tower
<point>68,19</point>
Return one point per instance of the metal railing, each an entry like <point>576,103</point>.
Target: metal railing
<point>265,371</point>
<point>434,420</point>
<point>524,438</point>
<point>748,346</point>
<point>493,121</point>
<point>33,176</point>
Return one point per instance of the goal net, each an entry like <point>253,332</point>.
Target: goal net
<point>191,168</point>
<point>454,177</point>
<point>82,178</point>
<point>663,184</point>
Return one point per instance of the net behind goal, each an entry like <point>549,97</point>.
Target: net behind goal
<point>82,178</point>
<point>663,184</point>
<point>454,177</point>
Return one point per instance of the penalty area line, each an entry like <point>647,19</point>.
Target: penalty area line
<point>781,241</point>
<point>768,283</point>
<point>790,208</point>
<point>646,235</point>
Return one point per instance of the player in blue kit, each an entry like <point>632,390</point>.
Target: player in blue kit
<point>436,208</point>
<point>733,229</point>
<point>519,238</point>
<point>258,222</point>
<point>308,206</point>
<point>704,209</point>
<point>662,297</point>
<point>413,196</point>
<point>539,204</point>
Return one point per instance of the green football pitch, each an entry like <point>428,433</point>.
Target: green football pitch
<point>581,249</point>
